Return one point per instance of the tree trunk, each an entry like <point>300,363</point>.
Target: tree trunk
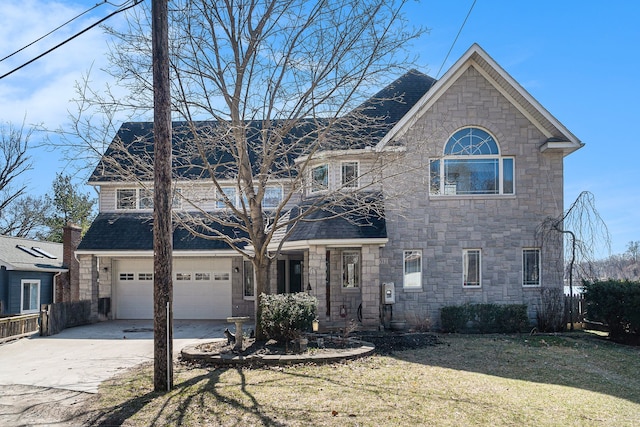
<point>262,266</point>
<point>162,229</point>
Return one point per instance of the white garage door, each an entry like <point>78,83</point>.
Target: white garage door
<point>201,288</point>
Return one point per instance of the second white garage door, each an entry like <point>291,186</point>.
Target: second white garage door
<point>201,288</point>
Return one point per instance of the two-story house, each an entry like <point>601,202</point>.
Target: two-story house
<point>474,165</point>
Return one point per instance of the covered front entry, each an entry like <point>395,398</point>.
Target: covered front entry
<point>201,288</point>
<point>289,274</point>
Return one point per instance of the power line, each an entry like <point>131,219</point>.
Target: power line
<point>72,37</point>
<point>456,39</point>
<point>53,31</point>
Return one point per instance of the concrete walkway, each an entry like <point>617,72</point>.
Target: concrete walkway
<point>81,358</point>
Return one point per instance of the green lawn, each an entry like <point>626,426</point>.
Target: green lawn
<point>499,380</point>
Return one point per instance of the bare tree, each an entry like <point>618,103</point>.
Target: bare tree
<point>584,233</point>
<point>26,217</point>
<point>262,89</point>
<point>14,161</point>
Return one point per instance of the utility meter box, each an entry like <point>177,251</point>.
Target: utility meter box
<point>389,293</point>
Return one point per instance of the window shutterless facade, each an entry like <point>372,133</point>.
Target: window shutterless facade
<point>471,165</point>
<point>471,268</point>
<point>320,178</point>
<point>349,174</point>
<point>412,269</point>
<point>141,199</point>
<point>531,267</point>
<point>30,298</point>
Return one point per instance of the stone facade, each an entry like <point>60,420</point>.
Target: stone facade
<point>442,226</point>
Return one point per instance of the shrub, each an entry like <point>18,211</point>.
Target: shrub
<point>453,318</point>
<point>484,318</point>
<point>551,311</point>
<point>616,303</point>
<point>287,316</point>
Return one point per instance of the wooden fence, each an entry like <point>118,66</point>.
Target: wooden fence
<point>62,315</point>
<point>13,327</point>
<point>579,308</point>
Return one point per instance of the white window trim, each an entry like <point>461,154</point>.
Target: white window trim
<point>356,183</point>
<point>278,186</point>
<point>465,252</point>
<point>539,284</point>
<point>220,204</point>
<point>313,190</point>
<point>176,199</point>
<point>441,172</point>
<point>441,175</point>
<point>136,199</point>
<point>39,286</point>
<point>404,269</point>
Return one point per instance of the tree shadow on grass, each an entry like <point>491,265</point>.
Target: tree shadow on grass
<point>185,397</point>
<point>578,360</point>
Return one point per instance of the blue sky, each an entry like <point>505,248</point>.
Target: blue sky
<point>577,58</point>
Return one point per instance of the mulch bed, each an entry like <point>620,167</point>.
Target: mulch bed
<point>385,343</point>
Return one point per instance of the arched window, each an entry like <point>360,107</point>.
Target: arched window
<point>471,164</point>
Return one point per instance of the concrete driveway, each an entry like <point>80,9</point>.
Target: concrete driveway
<point>81,358</point>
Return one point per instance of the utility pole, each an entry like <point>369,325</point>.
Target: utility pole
<point>162,230</point>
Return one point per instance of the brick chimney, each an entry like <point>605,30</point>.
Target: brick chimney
<point>71,236</point>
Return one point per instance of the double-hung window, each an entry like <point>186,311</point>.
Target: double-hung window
<point>126,198</point>
<point>412,269</point>
<point>471,268</point>
<point>531,267</point>
<point>272,197</point>
<point>471,165</point>
<point>349,172</point>
<point>320,178</point>
<point>30,296</point>
<point>229,194</point>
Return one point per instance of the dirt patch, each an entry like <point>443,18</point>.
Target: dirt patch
<point>29,405</point>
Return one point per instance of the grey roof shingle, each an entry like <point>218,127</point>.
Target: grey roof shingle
<point>340,223</point>
<point>387,107</point>
<point>29,258</point>
<point>134,232</point>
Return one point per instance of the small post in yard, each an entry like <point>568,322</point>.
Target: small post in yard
<point>162,230</point>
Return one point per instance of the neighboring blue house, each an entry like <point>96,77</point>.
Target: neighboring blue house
<point>29,273</point>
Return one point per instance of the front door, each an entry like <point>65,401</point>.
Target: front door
<point>295,276</point>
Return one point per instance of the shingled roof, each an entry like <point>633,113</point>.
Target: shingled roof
<point>30,255</point>
<point>333,222</point>
<point>386,108</point>
<point>107,231</point>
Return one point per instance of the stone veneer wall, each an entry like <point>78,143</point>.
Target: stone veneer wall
<point>88,288</point>
<point>501,226</point>
<point>241,306</point>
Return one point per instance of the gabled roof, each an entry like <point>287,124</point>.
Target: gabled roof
<point>558,136</point>
<point>30,255</point>
<point>107,231</point>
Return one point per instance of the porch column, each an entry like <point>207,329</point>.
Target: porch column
<point>317,277</point>
<point>88,282</point>
<point>370,286</point>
